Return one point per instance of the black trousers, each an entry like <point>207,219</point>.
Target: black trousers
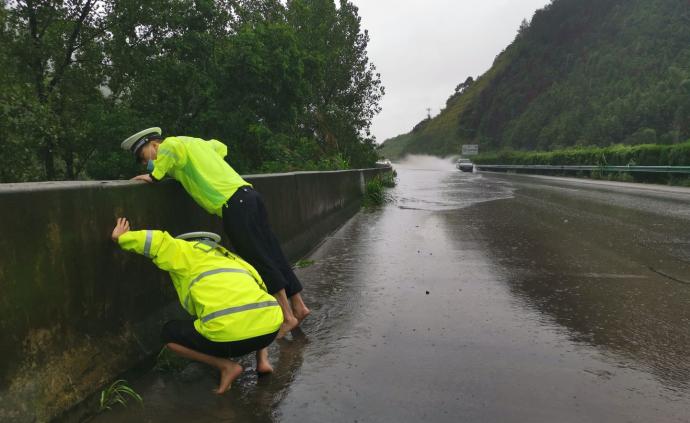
<point>184,333</point>
<point>246,222</point>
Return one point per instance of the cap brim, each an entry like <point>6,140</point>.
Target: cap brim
<point>129,142</point>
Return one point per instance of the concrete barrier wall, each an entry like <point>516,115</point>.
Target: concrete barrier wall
<point>75,311</point>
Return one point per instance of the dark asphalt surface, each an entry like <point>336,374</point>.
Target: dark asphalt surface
<point>476,298</point>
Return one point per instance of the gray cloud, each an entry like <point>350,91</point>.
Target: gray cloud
<point>423,49</point>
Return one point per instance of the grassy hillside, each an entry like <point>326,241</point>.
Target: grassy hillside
<point>581,73</point>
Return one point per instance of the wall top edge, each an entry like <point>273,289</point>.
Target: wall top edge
<point>73,185</point>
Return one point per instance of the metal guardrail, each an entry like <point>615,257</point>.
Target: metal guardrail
<point>646,169</point>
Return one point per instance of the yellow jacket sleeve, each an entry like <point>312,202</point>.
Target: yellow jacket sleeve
<point>171,154</point>
<point>145,243</point>
<point>219,148</point>
<point>167,253</point>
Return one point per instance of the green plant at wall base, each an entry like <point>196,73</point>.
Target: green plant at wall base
<point>388,179</point>
<point>301,264</point>
<point>117,393</point>
<point>375,192</point>
<point>166,361</point>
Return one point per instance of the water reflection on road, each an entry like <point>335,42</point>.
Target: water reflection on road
<point>476,297</point>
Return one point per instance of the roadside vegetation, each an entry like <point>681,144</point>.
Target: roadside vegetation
<point>618,155</point>
<point>286,85</point>
<point>375,191</point>
<point>388,179</point>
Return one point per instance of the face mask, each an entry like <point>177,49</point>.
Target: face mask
<point>149,166</point>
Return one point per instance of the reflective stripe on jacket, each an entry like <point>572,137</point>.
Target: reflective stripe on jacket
<point>199,166</point>
<point>224,292</point>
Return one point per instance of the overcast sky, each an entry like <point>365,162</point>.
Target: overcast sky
<point>425,48</point>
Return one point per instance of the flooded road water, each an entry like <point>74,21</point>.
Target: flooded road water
<point>476,298</point>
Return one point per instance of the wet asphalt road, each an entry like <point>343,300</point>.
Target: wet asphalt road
<point>476,298</point>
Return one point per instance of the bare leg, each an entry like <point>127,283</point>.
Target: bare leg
<point>299,308</point>
<point>263,366</point>
<point>229,370</point>
<point>289,320</point>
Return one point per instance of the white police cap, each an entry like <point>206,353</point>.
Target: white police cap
<point>136,141</point>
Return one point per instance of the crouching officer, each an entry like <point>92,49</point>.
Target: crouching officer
<point>234,315</point>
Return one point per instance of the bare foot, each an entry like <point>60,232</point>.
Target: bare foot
<point>301,313</point>
<point>299,309</point>
<point>230,372</point>
<point>297,334</point>
<point>289,323</point>
<point>264,369</point>
<point>263,366</point>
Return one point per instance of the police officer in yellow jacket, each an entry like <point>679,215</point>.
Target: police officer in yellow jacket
<point>233,313</point>
<point>200,167</point>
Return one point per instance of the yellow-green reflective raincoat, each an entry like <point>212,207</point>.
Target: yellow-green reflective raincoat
<point>224,292</point>
<point>199,166</point>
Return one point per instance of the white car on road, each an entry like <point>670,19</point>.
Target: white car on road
<point>465,165</point>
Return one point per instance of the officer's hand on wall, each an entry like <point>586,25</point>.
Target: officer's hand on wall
<point>121,227</point>
<point>145,178</point>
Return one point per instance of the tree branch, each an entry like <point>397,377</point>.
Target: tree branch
<point>78,169</point>
<point>71,45</point>
<point>35,42</point>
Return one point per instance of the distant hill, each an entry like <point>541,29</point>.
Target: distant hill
<point>581,72</point>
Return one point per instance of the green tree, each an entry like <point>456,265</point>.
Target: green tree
<point>56,50</point>
<point>80,75</point>
<point>345,88</point>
